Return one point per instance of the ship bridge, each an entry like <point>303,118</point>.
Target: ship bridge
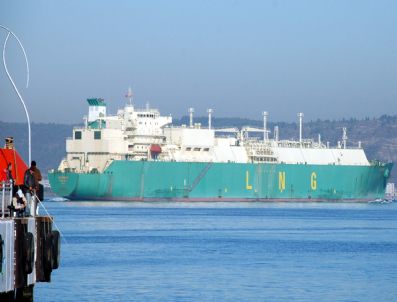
<point>128,135</point>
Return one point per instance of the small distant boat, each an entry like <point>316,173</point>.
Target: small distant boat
<point>381,200</point>
<point>378,200</point>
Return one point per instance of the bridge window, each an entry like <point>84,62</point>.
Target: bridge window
<point>97,134</point>
<point>77,135</point>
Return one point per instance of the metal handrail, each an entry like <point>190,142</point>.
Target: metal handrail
<point>2,199</point>
<point>5,186</point>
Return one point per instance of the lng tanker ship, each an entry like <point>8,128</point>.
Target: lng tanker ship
<point>138,154</point>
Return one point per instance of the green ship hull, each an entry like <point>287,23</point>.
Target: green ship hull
<point>197,181</point>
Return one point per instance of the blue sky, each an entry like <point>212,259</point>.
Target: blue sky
<point>328,59</point>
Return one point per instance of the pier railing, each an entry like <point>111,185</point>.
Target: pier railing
<point>6,196</point>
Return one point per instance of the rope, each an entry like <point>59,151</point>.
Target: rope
<point>52,220</point>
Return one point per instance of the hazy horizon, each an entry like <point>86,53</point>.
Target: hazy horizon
<point>224,117</point>
<point>328,59</point>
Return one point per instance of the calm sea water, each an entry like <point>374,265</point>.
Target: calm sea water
<point>224,252</point>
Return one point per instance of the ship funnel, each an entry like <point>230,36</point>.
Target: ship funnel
<point>209,111</point>
<point>300,115</point>
<point>265,115</point>
<point>191,111</point>
<point>96,109</point>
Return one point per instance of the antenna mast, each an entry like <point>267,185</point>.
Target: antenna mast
<point>129,95</point>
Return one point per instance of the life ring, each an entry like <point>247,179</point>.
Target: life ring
<point>56,249</point>
<point>28,247</point>
<point>47,256</point>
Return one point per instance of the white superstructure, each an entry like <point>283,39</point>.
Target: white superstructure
<point>143,134</point>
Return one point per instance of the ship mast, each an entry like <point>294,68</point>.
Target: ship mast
<point>13,84</point>
<point>300,115</point>
<point>344,137</point>
<point>191,111</point>
<point>209,111</point>
<point>129,95</point>
<point>265,132</point>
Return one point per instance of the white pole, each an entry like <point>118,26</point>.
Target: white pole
<point>191,110</point>
<point>209,117</point>
<point>276,133</point>
<point>344,138</point>
<point>129,95</point>
<point>3,199</point>
<point>24,53</point>
<point>300,115</point>
<point>13,84</point>
<point>11,190</point>
<point>265,115</point>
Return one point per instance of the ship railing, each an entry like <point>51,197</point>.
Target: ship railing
<point>6,190</point>
<point>224,136</point>
<point>265,159</point>
<point>307,143</point>
<point>258,144</point>
<point>151,110</point>
<point>261,152</point>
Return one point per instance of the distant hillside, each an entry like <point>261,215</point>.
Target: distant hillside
<point>48,142</point>
<point>378,136</point>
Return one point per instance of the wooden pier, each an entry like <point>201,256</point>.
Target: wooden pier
<point>29,250</point>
